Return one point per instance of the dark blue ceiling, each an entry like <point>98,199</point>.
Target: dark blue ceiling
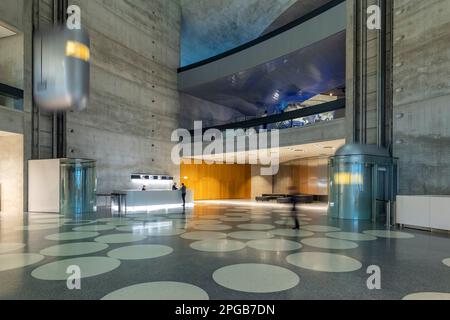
<point>295,77</point>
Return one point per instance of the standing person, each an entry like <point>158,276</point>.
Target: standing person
<point>174,187</point>
<point>265,114</point>
<point>183,194</point>
<point>294,200</point>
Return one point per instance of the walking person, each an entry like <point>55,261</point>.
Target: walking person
<point>183,194</point>
<point>294,199</point>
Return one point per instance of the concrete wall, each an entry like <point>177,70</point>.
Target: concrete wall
<point>260,184</point>
<point>422,96</point>
<point>134,103</point>
<point>11,174</point>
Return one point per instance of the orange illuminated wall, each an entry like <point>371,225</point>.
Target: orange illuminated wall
<point>217,181</point>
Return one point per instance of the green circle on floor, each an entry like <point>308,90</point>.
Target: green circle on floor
<point>164,291</point>
<point>318,228</point>
<point>95,228</point>
<point>256,226</point>
<point>422,296</point>
<point>351,236</point>
<point>256,278</point>
<point>18,260</point>
<point>291,233</point>
<point>68,236</point>
<point>324,262</point>
<point>213,227</point>
<point>446,262</point>
<point>250,235</point>
<point>389,234</point>
<point>88,266</point>
<point>235,219</point>
<point>277,245</point>
<point>74,249</point>
<point>140,252</point>
<point>327,243</point>
<point>203,235</point>
<point>218,245</point>
<point>120,238</point>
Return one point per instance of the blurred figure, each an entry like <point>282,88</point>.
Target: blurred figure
<point>294,199</point>
<point>144,188</point>
<point>183,194</point>
<point>174,187</point>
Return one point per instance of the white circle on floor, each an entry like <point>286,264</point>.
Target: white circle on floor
<point>235,219</point>
<point>163,232</point>
<point>11,246</point>
<point>256,226</point>
<point>318,228</point>
<point>256,278</point>
<point>203,235</point>
<point>324,262</point>
<point>206,222</point>
<point>213,227</point>
<point>73,249</point>
<point>351,236</point>
<point>260,217</point>
<point>446,262</point>
<point>95,228</point>
<point>389,234</point>
<point>140,252</point>
<point>327,243</point>
<point>211,216</point>
<point>290,223</point>
<point>218,245</point>
<point>237,215</point>
<point>250,235</point>
<point>291,233</point>
<point>277,245</point>
<point>422,296</point>
<point>120,238</point>
<point>18,260</point>
<point>89,266</point>
<point>68,236</point>
<point>79,222</point>
<point>164,291</point>
<point>38,227</point>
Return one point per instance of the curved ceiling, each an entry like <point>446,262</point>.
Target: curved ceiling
<point>211,27</point>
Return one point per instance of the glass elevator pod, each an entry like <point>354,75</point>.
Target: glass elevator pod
<point>363,183</point>
<point>78,186</point>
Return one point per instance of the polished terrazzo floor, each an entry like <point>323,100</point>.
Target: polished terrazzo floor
<point>218,250</point>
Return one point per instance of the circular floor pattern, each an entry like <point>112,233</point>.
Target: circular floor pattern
<point>256,226</point>
<point>260,218</point>
<point>324,262</point>
<point>291,233</point>
<point>237,215</point>
<point>389,234</point>
<point>11,246</point>
<point>74,249</point>
<point>218,245</point>
<point>164,290</point>
<point>250,235</point>
<point>113,219</point>
<point>120,238</point>
<point>68,236</point>
<point>446,262</point>
<point>164,232</point>
<point>256,278</point>
<point>140,252</point>
<point>290,223</point>
<point>211,216</point>
<point>95,228</point>
<point>203,235</point>
<point>327,243</point>
<point>234,219</point>
<point>306,219</point>
<point>18,260</point>
<point>206,222</point>
<point>318,228</point>
<point>89,266</point>
<point>79,222</point>
<point>277,245</point>
<point>422,296</point>
<point>38,227</point>
<point>351,236</point>
<point>212,227</point>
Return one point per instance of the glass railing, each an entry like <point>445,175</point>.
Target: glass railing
<point>11,97</point>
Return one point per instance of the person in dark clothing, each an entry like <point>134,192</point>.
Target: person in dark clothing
<point>183,194</point>
<point>294,199</point>
<point>174,187</point>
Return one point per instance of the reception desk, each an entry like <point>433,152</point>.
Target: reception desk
<point>144,201</point>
